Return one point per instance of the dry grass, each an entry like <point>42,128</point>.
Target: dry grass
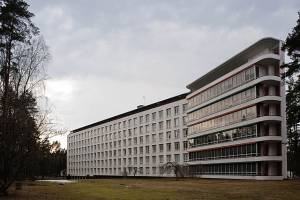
<point>159,189</point>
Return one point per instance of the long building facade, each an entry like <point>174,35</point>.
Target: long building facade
<point>231,125</point>
<point>135,143</point>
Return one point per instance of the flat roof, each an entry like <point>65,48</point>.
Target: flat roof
<point>234,62</point>
<point>141,109</point>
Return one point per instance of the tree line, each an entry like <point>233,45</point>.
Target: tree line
<point>24,147</point>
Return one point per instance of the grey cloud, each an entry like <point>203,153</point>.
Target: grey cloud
<point>115,49</point>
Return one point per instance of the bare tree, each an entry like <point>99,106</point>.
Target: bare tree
<point>179,170</point>
<point>23,56</point>
<point>21,122</point>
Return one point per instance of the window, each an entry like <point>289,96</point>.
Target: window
<point>141,160</point>
<point>141,140</point>
<point>153,159</point>
<point>242,115</point>
<point>135,160</point>
<point>161,137</point>
<point>168,135</point>
<point>161,148</point>
<point>177,158</point>
<point>147,118</point>
<point>176,122</point>
<point>153,148</point>
<point>168,124</point>
<point>176,134</point>
<point>161,125</point>
<point>185,145</point>
<point>184,120</point>
<point>177,146</point>
<point>135,140</point>
<point>161,159</point>
<point>153,137</point>
<point>141,150</point>
<point>141,119</point>
<point>161,114</point>
<point>221,87</point>
<point>176,110</point>
<point>185,132</point>
<point>168,146</point>
<point>153,170</point>
<point>147,139</point>
<point>168,158</point>
<point>153,127</point>
<point>135,121</point>
<point>141,130</point>
<point>154,116</point>
<point>135,150</point>
<point>168,112</point>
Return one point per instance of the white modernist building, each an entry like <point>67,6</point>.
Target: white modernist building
<point>135,143</point>
<point>231,124</point>
<point>236,117</point>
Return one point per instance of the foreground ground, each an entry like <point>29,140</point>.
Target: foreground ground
<point>158,189</point>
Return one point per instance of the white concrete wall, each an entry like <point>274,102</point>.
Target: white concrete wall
<point>97,162</point>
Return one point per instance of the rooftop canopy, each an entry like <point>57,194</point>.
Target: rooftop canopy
<point>241,58</point>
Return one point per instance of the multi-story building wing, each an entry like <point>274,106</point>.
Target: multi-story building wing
<point>236,117</point>
<point>135,143</point>
<point>236,126</point>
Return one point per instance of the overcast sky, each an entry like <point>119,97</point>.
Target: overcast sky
<point>108,54</point>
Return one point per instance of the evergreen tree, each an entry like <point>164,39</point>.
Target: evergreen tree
<point>292,79</point>
<point>19,133</point>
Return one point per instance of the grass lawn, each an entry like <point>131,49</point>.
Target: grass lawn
<point>158,189</point>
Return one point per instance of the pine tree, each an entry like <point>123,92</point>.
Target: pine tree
<point>292,79</point>
<point>18,107</point>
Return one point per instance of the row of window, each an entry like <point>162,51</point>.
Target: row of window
<point>226,152</point>
<point>225,120</point>
<point>130,171</point>
<point>224,136</point>
<point>223,86</point>
<point>131,122</point>
<point>243,169</point>
<point>84,146</point>
<point>128,161</point>
<point>226,103</point>
<point>176,146</point>
<point>130,132</point>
